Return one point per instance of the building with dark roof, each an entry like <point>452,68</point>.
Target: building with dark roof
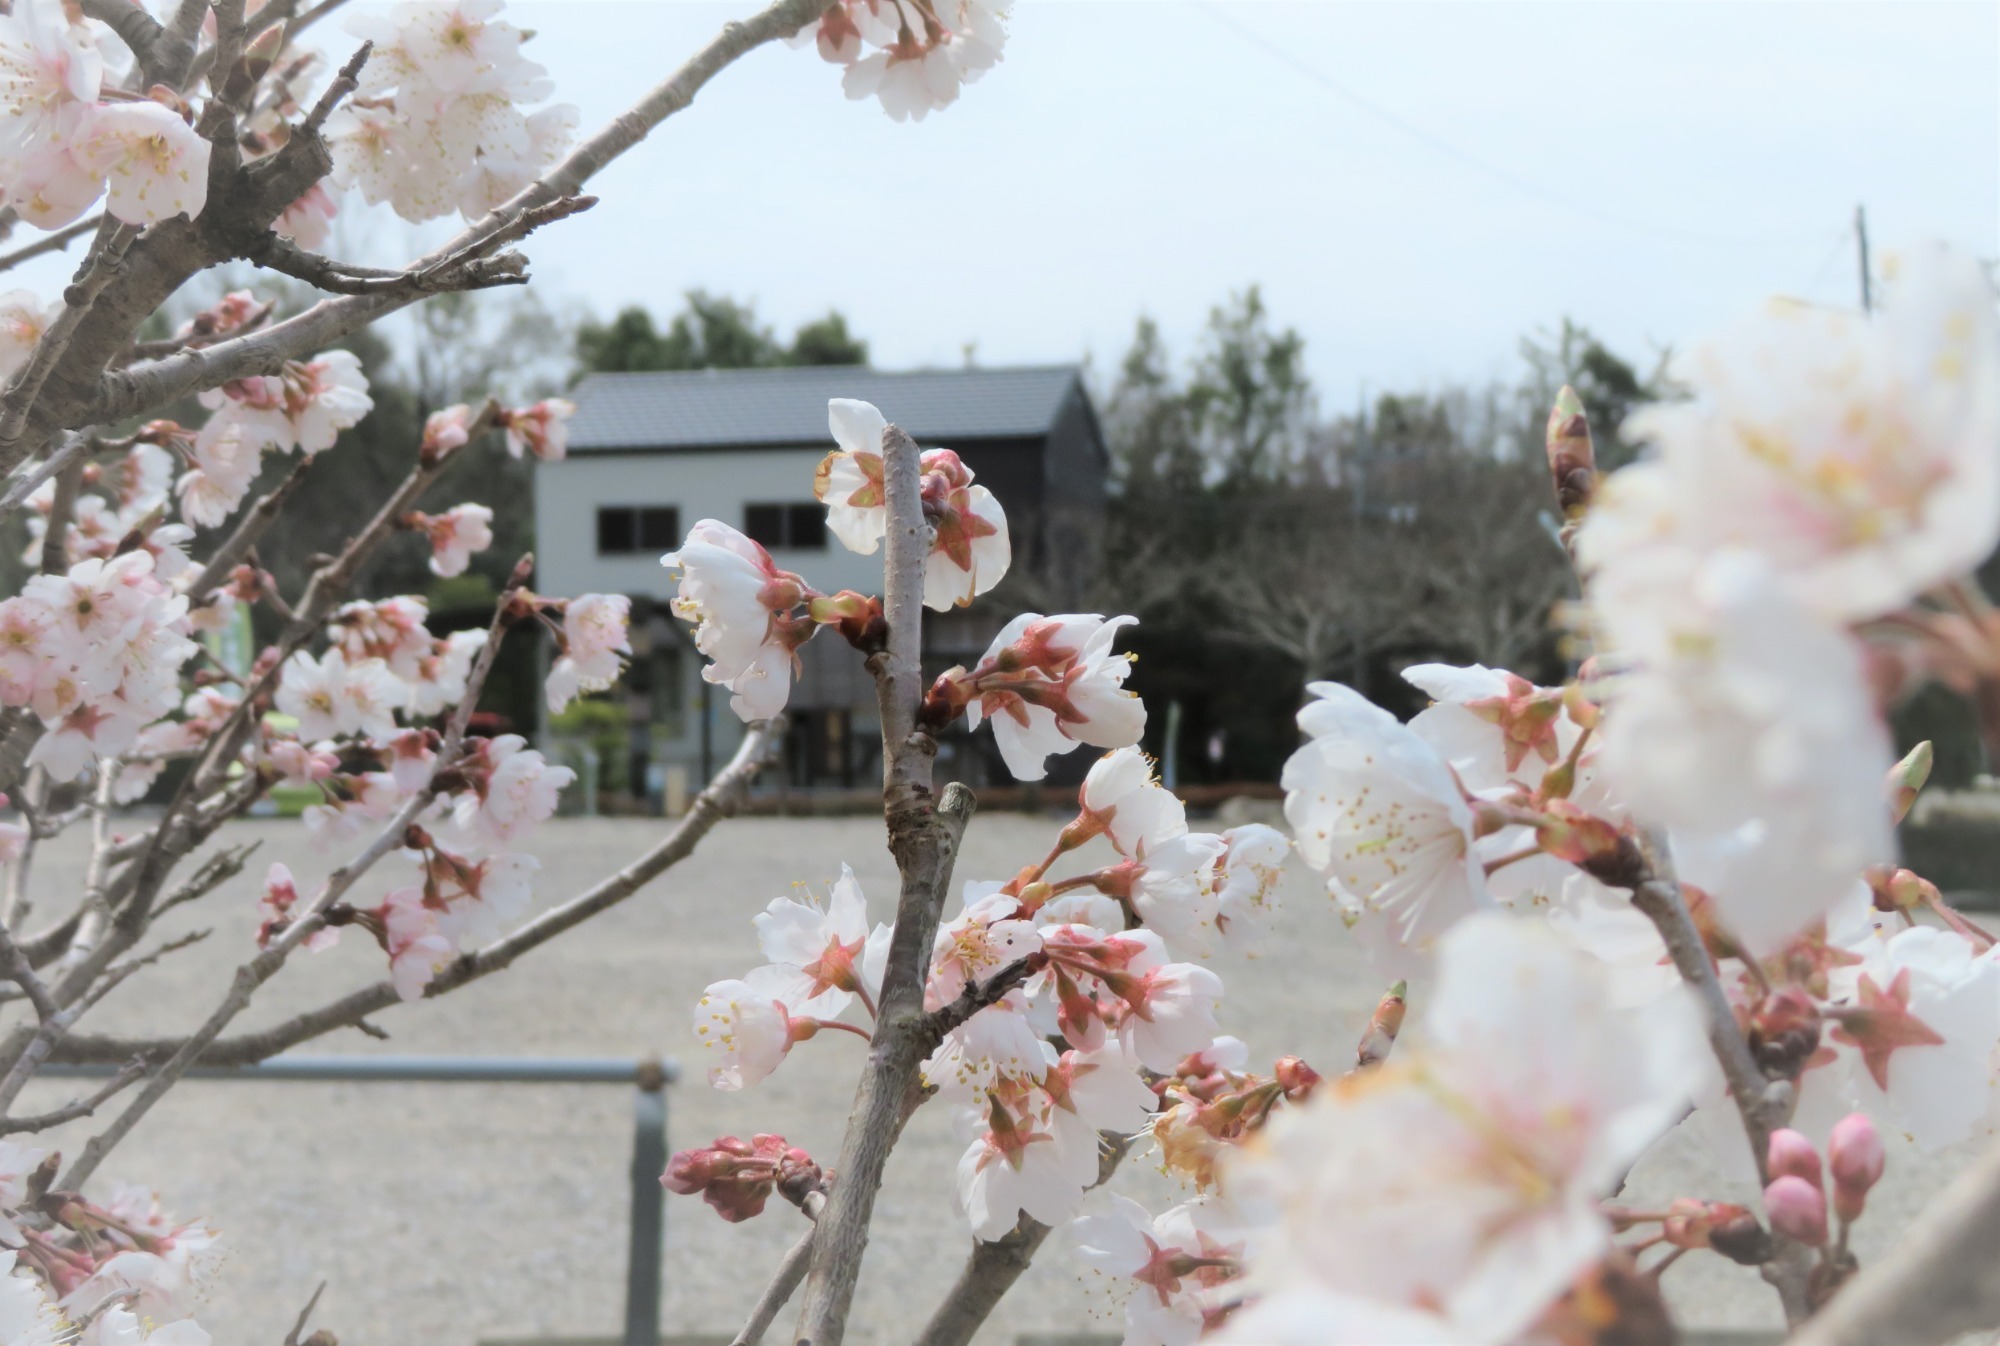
<point>651,453</point>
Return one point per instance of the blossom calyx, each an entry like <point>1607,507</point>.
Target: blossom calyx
<point>1734,1232</point>
<point>857,617</point>
<point>1599,848</point>
<point>1572,455</point>
<point>1784,1031</point>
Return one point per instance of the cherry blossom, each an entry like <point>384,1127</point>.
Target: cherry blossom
<point>1854,454</point>
<point>818,948</point>
<point>1047,684</point>
<point>996,1046</point>
<point>418,949</point>
<point>157,163</point>
<point>1911,1027</point>
<point>305,407</point>
<point>541,429</point>
<point>330,697</point>
<point>513,789</point>
<point>925,51</point>
<point>392,630</point>
<point>749,1025</point>
<point>1246,880</point>
<point>987,937</point>
<point>441,675</point>
<point>23,318</point>
<point>118,1327</point>
<point>454,536</point>
<point>1016,1164</point>
<point>27,1318</point>
<point>1171,1263</point>
<point>1460,1185</point>
<point>437,125</point>
<point>309,220</point>
<point>594,639</point>
<point>1379,812</point>
<point>849,480</point>
<point>741,604</point>
<point>280,896</point>
<point>969,548</point>
<point>1749,729</point>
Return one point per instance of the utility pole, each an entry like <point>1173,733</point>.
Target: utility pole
<point>1861,237</point>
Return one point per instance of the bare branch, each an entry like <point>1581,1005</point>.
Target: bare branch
<point>477,273</point>
<point>344,83</point>
<point>305,1315</point>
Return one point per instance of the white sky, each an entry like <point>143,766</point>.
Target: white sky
<point>1151,157</point>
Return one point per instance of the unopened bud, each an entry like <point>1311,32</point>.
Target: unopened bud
<point>1572,457</point>
<point>1295,1077</point>
<point>1792,1154</point>
<point>1854,1153</point>
<point>1578,701</point>
<point>1797,1209</point>
<point>1907,777</point>
<point>1380,1036</point>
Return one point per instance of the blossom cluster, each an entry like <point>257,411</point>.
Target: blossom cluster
<point>1062,997</point>
<point>122,1273</point>
<point>437,124</point>
<point>924,51</point>
<point>67,132</point>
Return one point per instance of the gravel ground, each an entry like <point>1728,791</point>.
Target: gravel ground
<point>455,1214</point>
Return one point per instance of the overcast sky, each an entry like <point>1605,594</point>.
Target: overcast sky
<point>1414,185</point>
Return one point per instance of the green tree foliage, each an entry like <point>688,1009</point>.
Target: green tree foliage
<point>711,332</point>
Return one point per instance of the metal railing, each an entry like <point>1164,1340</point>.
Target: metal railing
<point>648,1077</point>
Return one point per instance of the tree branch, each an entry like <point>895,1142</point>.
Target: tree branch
<point>785,1280</point>
<point>924,839</point>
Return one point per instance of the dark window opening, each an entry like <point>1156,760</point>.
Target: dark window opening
<point>801,527</point>
<point>625,529</point>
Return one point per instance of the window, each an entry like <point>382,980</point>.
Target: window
<point>796,526</point>
<point>625,529</point>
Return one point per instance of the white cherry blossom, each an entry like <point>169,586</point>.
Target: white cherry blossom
<point>1380,813</point>
<point>1062,686</point>
<point>157,163</point>
<point>740,602</point>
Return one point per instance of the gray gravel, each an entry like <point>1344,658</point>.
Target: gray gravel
<point>454,1214</point>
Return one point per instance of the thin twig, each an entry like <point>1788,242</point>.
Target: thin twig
<point>81,1107</point>
<point>785,1280</point>
<point>48,243</point>
<point>305,1315</point>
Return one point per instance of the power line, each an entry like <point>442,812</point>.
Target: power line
<point>1442,146</point>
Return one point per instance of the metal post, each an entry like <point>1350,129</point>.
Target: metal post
<point>649,1208</point>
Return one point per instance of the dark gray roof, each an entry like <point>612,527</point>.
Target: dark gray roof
<point>742,407</point>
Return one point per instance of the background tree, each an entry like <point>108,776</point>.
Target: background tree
<point>710,332</point>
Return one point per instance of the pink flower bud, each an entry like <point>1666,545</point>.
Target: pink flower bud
<point>1854,1153</point>
<point>1793,1155</point>
<point>1797,1209</point>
